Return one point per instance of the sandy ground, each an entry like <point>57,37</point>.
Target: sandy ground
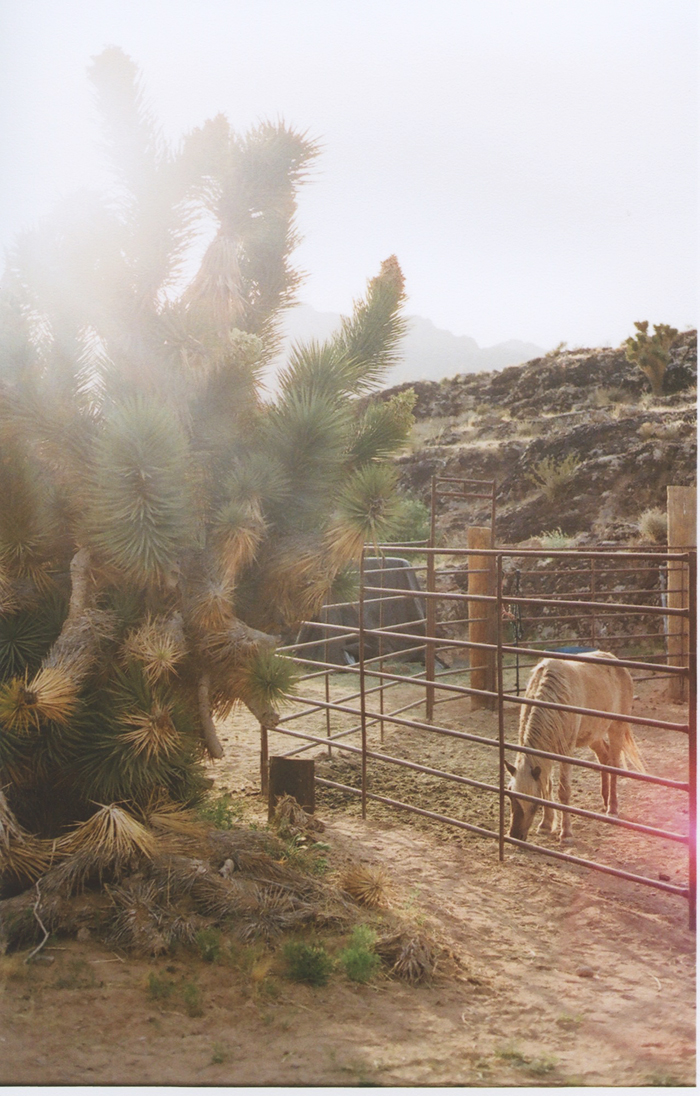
<point>564,977</point>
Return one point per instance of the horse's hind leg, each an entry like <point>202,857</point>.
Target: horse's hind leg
<point>616,733</point>
<point>564,797</point>
<point>602,752</point>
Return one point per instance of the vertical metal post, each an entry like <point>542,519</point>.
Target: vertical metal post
<point>327,680</point>
<point>430,613</point>
<point>363,713</point>
<point>264,771</point>
<point>501,718</point>
<point>593,593</point>
<point>493,514</point>
<point>692,737</point>
<point>381,649</point>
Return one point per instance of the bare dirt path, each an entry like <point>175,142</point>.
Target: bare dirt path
<point>563,978</point>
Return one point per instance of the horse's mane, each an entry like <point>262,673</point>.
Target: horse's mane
<point>544,728</point>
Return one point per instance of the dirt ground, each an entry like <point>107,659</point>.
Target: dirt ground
<point>564,977</point>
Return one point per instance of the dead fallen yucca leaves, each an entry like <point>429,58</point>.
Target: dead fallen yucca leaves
<point>291,820</point>
<point>367,885</point>
<point>142,924</point>
<point>274,912</point>
<point>111,841</point>
<point>169,818</point>
<point>410,954</point>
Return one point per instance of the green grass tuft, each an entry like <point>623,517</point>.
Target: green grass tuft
<point>359,960</point>
<point>308,963</point>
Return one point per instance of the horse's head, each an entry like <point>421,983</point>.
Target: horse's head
<point>525,778</point>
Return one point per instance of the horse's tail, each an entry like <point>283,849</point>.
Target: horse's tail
<point>631,752</point>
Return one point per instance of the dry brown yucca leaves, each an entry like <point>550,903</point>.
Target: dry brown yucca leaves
<point>159,644</point>
<point>178,830</point>
<point>139,923</point>
<point>156,897</point>
<point>291,820</point>
<point>23,858</point>
<point>410,954</point>
<point>276,911</point>
<point>110,842</point>
<point>368,885</point>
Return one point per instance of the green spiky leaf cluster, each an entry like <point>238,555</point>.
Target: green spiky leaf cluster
<point>651,352</point>
<point>164,518</point>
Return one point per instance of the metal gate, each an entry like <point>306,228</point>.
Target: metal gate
<point>405,682</point>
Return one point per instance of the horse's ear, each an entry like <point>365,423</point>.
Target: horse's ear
<point>510,768</point>
<point>536,773</point>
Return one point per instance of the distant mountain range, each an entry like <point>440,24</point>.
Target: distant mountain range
<point>429,352</point>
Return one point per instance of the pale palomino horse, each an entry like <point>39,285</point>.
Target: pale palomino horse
<point>580,685</point>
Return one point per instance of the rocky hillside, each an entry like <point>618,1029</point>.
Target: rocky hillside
<point>575,441</point>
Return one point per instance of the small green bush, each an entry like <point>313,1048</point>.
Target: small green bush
<point>412,522</point>
<point>553,475</point>
<point>159,989</point>
<point>359,960</point>
<point>308,963</point>
<point>219,812</point>
<point>192,997</point>
<point>208,943</point>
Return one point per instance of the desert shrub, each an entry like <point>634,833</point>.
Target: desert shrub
<point>208,943</point>
<point>159,989</point>
<point>412,521</point>
<point>192,997</point>
<point>553,475</point>
<point>555,539</point>
<point>653,525</point>
<point>308,963</point>
<point>219,811</point>
<point>359,960</point>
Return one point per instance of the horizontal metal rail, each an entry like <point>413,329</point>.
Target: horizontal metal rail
<point>481,740</point>
<point>669,888</point>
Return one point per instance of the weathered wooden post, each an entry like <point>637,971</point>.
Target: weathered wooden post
<point>482,616</point>
<point>681,508</point>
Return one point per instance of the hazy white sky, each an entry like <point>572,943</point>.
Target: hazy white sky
<point>532,163</point>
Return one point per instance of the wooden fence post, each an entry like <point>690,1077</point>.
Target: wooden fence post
<point>681,508</point>
<point>482,616</point>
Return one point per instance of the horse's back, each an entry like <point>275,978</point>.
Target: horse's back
<point>583,685</point>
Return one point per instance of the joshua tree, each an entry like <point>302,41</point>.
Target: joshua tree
<point>651,352</point>
<point>161,521</point>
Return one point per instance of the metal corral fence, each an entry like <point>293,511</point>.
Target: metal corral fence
<point>451,675</point>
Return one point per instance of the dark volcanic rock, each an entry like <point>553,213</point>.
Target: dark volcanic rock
<point>592,408</point>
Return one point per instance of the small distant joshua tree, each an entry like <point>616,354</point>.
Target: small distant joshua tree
<point>651,352</point>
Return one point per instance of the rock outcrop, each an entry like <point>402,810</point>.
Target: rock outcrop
<point>583,417</point>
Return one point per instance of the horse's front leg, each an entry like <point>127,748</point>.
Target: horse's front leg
<point>564,797</point>
<point>547,825</point>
